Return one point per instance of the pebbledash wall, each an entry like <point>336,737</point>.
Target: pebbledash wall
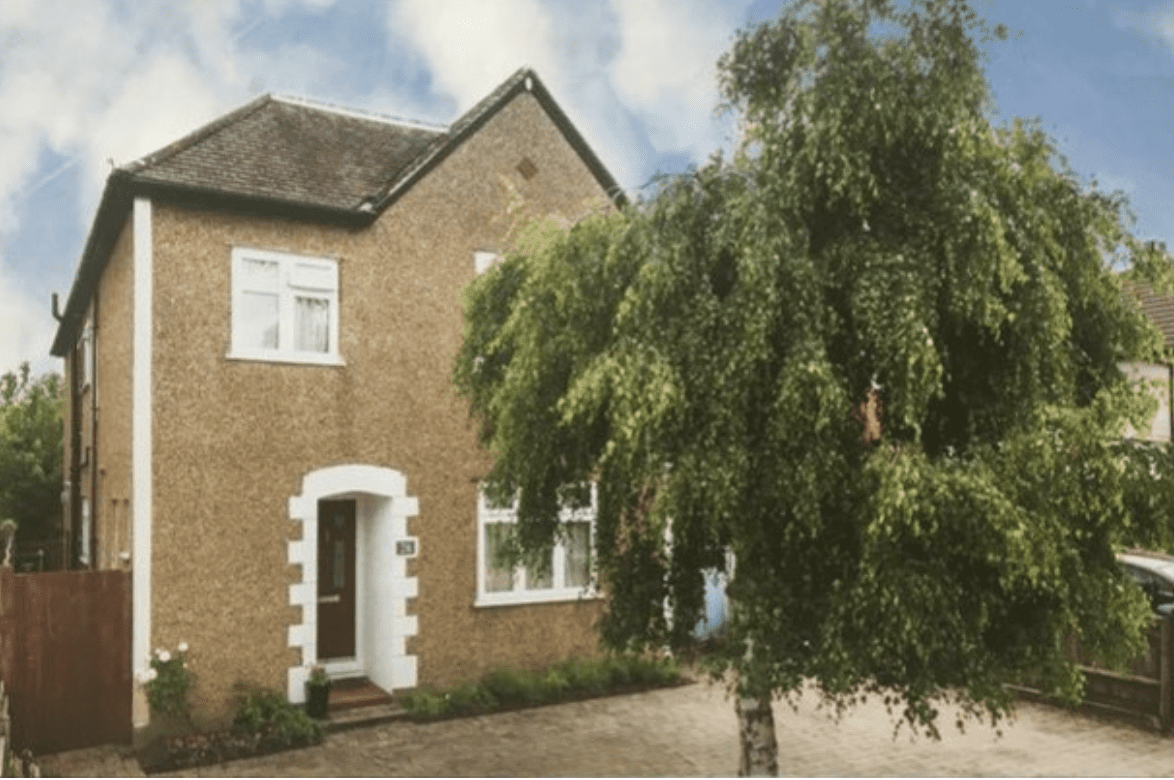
<point>241,450</point>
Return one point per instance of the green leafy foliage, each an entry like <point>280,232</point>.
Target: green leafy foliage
<point>704,357</point>
<point>508,687</point>
<point>511,686</point>
<point>168,680</point>
<point>31,451</point>
<point>269,714</point>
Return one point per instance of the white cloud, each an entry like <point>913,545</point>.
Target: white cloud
<point>119,82</point>
<point>665,70</point>
<point>472,45</point>
<point>180,99</point>
<point>297,69</point>
<point>92,80</point>
<point>1155,22</point>
<point>606,61</point>
<point>104,86</point>
<point>26,327</point>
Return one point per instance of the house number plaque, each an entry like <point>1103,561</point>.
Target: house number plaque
<point>405,547</point>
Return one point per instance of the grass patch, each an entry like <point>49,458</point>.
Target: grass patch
<point>511,688</point>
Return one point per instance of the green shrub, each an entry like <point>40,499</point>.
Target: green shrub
<point>584,675</point>
<point>423,704</point>
<point>644,670</point>
<point>468,700</point>
<point>554,685</point>
<point>511,686</point>
<point>618,670</point>
<point>267,712</point>
<point>168,680</point>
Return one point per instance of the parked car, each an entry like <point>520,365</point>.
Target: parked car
<point>1154,572</point>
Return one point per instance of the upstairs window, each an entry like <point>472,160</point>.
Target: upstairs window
<point>284,307</point>
<point>562,574</point>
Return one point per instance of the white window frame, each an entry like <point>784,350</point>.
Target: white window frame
<point>483,261</point>
<point>520,594</point>
<point>86,347</point>
<point>287,292</point>
<point>83,556</point>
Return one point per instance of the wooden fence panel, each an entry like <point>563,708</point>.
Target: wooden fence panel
<point>1144,688</point>
<point>65,646</point>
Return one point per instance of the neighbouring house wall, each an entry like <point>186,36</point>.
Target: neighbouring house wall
<point>233,439</point>
<point>1156,379</point>
<point>114,342</point>
<point>101,410</point>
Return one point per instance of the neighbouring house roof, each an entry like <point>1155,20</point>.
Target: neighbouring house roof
<point>295,159</point>
<point>1158,306</point>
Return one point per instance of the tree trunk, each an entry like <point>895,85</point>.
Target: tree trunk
<point>756,732</point>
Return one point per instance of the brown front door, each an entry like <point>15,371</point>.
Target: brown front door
<point>336,579</point>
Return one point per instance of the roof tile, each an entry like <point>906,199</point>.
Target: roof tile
<point>291,152</point>
<point>1159,307</point>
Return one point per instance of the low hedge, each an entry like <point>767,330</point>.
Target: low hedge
<point>507,687</point>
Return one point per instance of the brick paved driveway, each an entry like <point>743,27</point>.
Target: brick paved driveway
<point>691,731</point>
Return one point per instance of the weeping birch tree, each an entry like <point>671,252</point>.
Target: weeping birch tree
<point>711,358</point>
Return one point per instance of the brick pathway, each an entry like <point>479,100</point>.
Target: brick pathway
<point>690,731</point>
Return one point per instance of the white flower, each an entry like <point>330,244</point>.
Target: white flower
<point>164,656</point>
<point>183,647</point>
<point>151,674</point>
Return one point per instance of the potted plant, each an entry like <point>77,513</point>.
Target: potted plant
<point>317,692</point>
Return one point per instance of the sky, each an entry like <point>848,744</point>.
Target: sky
<point>89,84</point>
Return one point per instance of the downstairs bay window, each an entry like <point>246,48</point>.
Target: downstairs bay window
<point>561,574</point>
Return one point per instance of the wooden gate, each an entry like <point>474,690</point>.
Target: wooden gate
<point>65,657</point>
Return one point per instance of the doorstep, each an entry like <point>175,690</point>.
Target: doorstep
<point>355,692</point>
<point>368,715</point>
<point>359,702</point>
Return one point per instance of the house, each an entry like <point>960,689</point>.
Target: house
<point>260,423</point>
<point>1158,378</point>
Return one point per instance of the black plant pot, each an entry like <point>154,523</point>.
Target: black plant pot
<point>317,699</point>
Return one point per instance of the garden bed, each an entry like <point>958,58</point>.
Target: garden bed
<point>186,751</point>
<point>506,689</point>
<point>265,723</point>
<point>268,724</point>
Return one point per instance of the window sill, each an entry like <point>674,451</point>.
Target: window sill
<point>293,358</point>
<point>516,599</point>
